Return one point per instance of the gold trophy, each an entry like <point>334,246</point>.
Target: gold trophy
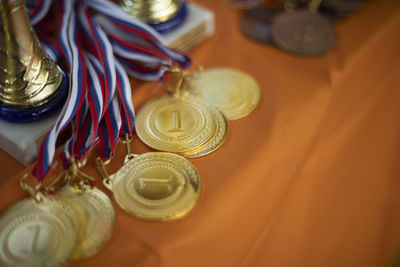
<point>31,84</point>
<point>163,15</point>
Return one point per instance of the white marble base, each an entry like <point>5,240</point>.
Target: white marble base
<point>22,141</point>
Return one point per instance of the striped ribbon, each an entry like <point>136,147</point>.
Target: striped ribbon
<point>111,119</point>
<point>101,83</point>
<point>69,39</point>
<point>109,129</point>
<point>98,44</point>
<point>99,53</point>
<point>37,10</point>
<point>125,96</point>
<point>136,43</point>
<point>84,135</point>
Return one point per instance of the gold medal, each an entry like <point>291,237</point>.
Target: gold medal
<point>36,234</point>
<point>175,123</point>
<point>216,139</point>
<point>95,218</point>
<point>156,186</point>
<point>235,93</point>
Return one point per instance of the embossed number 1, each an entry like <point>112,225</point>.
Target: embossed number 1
<point>35,238</point>
<point>148,181</point>
<point>176,121</point>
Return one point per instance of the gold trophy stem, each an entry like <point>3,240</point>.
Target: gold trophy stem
<point>8,42</point>
<point>28,77</point>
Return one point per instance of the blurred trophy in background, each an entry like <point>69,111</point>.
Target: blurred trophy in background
<point>184,25</point>
<point>31,84</point>
<point>163,15</point>
<point>152,11</point>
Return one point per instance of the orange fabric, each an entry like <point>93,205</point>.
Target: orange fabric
<point>310,178</point>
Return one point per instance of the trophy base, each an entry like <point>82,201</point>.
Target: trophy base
<point>36,113</point>
<point>173,23</point>
<point>22,140</point>
<point>22,130</point>
<point>197,27</point>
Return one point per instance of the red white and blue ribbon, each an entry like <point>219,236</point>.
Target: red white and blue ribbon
<point>109,129</point>
<point>125,96</point>
<point>38,9</point>
<point>139,60</point>
<point>102,84</point>
<point>84,135</point>
<point>120,117</point>
<point>102,74</point>
<point>95,95</point>
<point>99,53</point>
<point>135,43</point>
<point>100,47</point>
<point>70,44</point>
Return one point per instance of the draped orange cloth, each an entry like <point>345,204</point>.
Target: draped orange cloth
<point>310,178</point>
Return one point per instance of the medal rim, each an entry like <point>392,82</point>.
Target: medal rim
<point>89,244</point>
<point>215,141</point>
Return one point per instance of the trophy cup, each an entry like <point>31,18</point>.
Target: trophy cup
<point>31,84</point>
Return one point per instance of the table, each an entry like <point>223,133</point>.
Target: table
<point>310,178</point>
